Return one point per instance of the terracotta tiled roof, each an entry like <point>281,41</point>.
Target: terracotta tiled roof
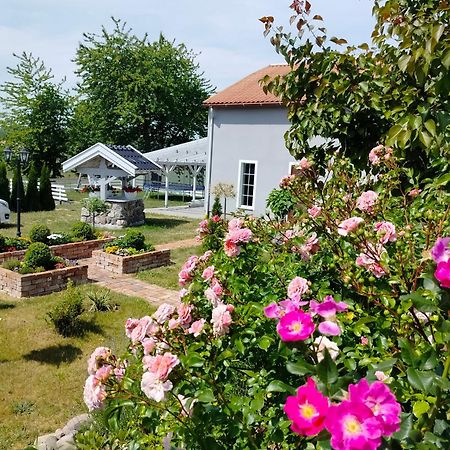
<point>248,91</point>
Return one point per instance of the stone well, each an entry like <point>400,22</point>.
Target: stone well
<point>122,213</point>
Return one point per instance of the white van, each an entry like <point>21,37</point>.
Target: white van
<point>4,212</point>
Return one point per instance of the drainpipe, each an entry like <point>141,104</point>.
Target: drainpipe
<point>210,154</point>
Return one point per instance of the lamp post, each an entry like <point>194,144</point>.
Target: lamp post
<point>21,159</point>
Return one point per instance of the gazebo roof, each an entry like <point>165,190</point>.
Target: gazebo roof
<point>193,153</point>
<point>125,158</point>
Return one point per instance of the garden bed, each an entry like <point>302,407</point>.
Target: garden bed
<point>130,264</point>
<point>72,250</point>
<point>41,283</point>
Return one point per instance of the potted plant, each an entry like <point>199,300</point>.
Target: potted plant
<point>130,192</point>
<point>92,189</point>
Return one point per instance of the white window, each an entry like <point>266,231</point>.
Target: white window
<point>247,184</point>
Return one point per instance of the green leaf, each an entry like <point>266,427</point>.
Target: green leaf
<point>420,408</point>
<point>299,367</point>
<point>327,370</point>
<point>405,427</point>
<point>403,62</point>
<point>425,138</point>
<point>383,366</point>
<point>239,346</point>
<point>194,360</point>
<point>264,342</point>
<point>279,386</point>
<point>446,60</point>
<point>430,125</point>
<point>205,396</point>
<point>422,381</point>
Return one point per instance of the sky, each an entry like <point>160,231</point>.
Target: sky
<point>226,35</point>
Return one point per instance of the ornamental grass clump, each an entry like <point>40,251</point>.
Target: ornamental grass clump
<point>327,329</point>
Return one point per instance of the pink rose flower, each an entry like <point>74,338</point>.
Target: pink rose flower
<point>208,273</point>
<point>98,358</point>
<point>381,376</point>
<point>353,426</point>
<point>216,287</point>
<point>164,312</point>
<point>374,155</point>
<point>329,328</point>
<point>295,326</point>
<point>386,232</point>
<point>272,311</point>
<point>94,394</point>
<point>197,327</point>
<point>349,225</point>
<point>314,211</point>
<point>307,410</point>
<point>206,256</point>
<point>328,308</point>
<point>119,373</point>
<point>364,340</point>
<point>173,324</point>
<point>304,164</point>
<point>231,249</point>
<point>381,401</point>
<point>221,319</point>
<point>142,329</point>
<point>298,286</point>
<point>212,297</point>
<point>366,201</point>
<point>235,224</point>
<point>148,344</point>
<point>130,325</point>
<point>414,192</point>
<point>216,218</point>
<point>370,260</point>
<point>104,373</point>
<point>184,311</point>
<point>160,365</point>
<point>154,388</point>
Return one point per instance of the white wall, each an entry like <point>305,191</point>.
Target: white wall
<point>251,134</point>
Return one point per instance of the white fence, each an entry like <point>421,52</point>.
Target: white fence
<point>59,193</point>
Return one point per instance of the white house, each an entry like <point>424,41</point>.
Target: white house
<point>246,145</point>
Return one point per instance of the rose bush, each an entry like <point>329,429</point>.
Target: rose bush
<point>295,334</point>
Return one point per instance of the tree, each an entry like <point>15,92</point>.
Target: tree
<point>396,90</point>
<point>36,112</point>
<point>33,200</point>
<point>45,190</point>
<point>5,193</point>
<point>17,190</point>
<point>137,92</point>
<point>95,206</point>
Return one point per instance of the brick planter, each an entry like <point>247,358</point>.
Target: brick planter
<point>130,264</point>
<point>73,250</point>
<point>42,283</point>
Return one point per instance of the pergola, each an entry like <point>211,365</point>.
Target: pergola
<point>189,155</point>
<point>106,163</point>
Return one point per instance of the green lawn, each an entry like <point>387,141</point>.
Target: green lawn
<point>168,276</point>
<point>157,229</point>
<point>43,373</point>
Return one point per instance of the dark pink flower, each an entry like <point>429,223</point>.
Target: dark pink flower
<point>272,311</point>
<point>216,218</point>
<point>231,249</point>
<point>307,410</point>
<point>295,326</point>
<point>381,401</point>
<point>353,426</point>
<point>442,273</point>
<point>328,308</point>
<point>329,328</point>
<point>441,250</point>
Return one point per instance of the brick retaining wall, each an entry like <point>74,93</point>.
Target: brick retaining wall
<point>42,283</point>
<point>73,250</point>
<point>130,264</point>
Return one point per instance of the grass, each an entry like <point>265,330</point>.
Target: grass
<point>157,229</point>
<point>43,373</point>
<point>167,277</point>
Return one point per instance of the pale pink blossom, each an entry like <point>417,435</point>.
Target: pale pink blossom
<point>304,164</point>
<point>173,324</point>
<point>154,388</point>
<point>375,153</point>
<point>104,373</point>
<point>323,343</point>
<point>366,201</point>
<point>310,247</point>
<point>386,232</point>
<point>197,327</point>
<point>286,181</point>
<point>381,376</point>
<point>370,260</point>
<point>221,319</point>
<point>216,287</point>
<point>119,373</point>
<point>160,365</point>
<point>187,404</point>
<point>329,328</point>
<point>298,286</point>
<point>141,330</point>
<point>183,292</point>
<point>349,225</point>
<point>148,344</point>
<point>98,358</point>
<point>364,340</point>
<point>208,273</point>
<point>94,393</point>
<point>164,312</point>
<point>130,325</point>
<point>414,192</point>
<point>207,255</point>
<point>235,224</point>
<point>314,211</point>
<point>212,297</point>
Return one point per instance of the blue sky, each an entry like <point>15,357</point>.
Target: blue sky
<point>227,35</point>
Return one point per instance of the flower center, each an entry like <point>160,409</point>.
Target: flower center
<point>308,411</point>
<point>352,426</point>
<point>296,327</point>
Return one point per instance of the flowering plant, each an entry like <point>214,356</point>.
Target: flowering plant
<point>90,188</point>
<point>327,329</point>
<point>132,189</point>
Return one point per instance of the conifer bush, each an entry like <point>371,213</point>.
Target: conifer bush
<point>32,195</point>
<point>5,193</point>
<point>47,202</point>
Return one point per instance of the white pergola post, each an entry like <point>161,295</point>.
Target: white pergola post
<point>195,170</point>
<point>167,170</point>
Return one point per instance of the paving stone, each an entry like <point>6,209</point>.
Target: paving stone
<point>47,442</point>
